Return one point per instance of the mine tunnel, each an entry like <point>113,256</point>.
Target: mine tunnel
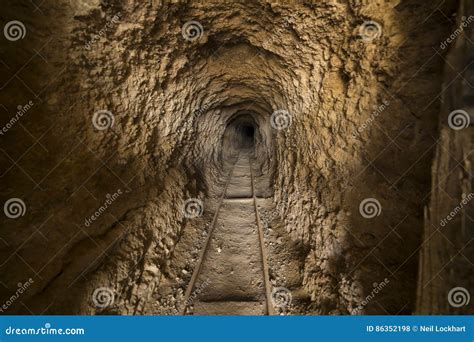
<point>235,158</point>
<point>240,134</point>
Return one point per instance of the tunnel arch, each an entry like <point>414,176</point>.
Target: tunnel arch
<point>241,135</point>
<point>165,144</point>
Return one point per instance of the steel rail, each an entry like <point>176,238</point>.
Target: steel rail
<point>269,310</point>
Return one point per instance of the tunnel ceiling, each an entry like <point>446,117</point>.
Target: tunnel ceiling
<point>173,95</point>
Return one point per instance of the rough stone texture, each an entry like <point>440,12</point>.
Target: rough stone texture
<point>447,253</point>
<point>172,101</point>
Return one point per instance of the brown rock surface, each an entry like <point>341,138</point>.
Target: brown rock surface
<point>364,115</point>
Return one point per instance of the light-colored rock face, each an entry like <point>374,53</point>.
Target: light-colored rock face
<point>355,108</point>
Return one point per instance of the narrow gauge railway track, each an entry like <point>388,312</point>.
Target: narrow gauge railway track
<point>233,260</point>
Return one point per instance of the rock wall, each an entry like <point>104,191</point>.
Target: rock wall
<point>130,107</point>
<point>447,253</point>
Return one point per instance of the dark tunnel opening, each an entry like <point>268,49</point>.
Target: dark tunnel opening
<point>241,135</point>
<point>245,137</point>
